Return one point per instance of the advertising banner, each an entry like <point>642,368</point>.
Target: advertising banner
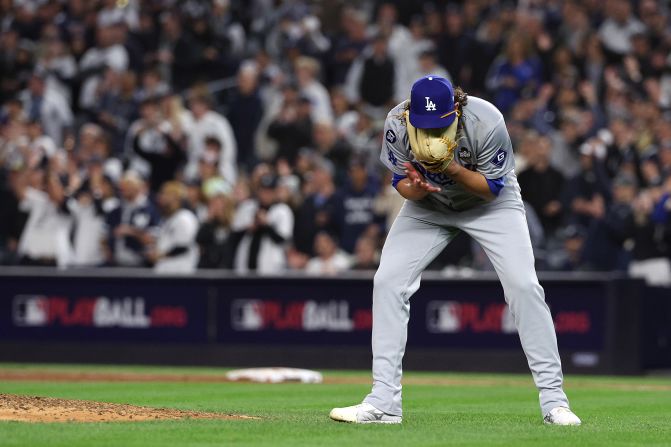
<point>443,314</point>
<point>86,309</point>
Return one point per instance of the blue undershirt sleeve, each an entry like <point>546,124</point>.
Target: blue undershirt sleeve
<point>397,178</point>
<point>496,185</point>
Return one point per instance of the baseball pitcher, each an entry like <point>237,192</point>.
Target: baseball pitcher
<point>452,160</point>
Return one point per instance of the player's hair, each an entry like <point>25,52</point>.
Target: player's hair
<point>460,97</point>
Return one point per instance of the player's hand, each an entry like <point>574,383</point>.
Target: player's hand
<point>417,179</point>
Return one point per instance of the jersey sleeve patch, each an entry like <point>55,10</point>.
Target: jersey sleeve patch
<point>390,136</point>
<point>499,158</point>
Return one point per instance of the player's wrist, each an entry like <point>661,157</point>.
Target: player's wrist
<point>454,169</point>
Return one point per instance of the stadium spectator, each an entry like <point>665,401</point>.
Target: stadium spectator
<point>365,254</point>
<point>373,78</point>
<point>336,149</point>
<point>347,44</point>
<point>397,35</point>
<point>136,228</point>
<point>177,55</point>
<point>265,227</point>
<point>604,247</point>
<point>116,104</point>
<point>109,53</point>
<point>322,209</point>
<point>85,205</point>
<point>329,260</point>
<point>57,63</point>
<point>175,249</point>
<point>45,239</point>
<point>245,111</point>
<point>153,143</point>
<point>344,115</point>
<point>460,47</point>
<point>358,198</point>
<point>541,184</point>
<point>203,123</point>
<point>292,127</point>
<point>419,59</point>
<point>588,193</point>
<point>619,27</point>
<point>215,239</point>
<point>307,70</point>
<point>365,139</point>
<point>48,107</point>
<point>514,74</point>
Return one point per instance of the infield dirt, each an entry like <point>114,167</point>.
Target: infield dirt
<point>47,409</point>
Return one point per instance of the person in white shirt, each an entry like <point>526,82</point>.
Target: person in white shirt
<point>176,250</point>
<point>204,123</point>
<point>307,70</point>
<point>108,53</point>
<point>48,107</point>
<point>45,240</point>
<point>88,208</point>
<point>40,144</point>
<point>58,64</point>
<point>265,227</point>
<point>616,31</point>
<point>330,260</point>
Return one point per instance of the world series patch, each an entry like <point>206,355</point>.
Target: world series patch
<point>464,153</point>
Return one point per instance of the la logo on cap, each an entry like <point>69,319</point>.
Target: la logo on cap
<point>430,106</point>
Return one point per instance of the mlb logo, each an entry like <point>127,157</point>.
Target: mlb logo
<point>247,315</point>
<point>30,310</point>
<point>443,317</point>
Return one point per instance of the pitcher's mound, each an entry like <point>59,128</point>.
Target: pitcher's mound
<point>48,409</point>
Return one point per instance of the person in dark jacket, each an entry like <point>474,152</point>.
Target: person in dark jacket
<point>321,210</point>
<point>358,202</point>
<point>292,129</point>
<point>541,184</point>
<point>164,154</point>
<point>372,79</point>
<point>244,113</point>
<point>217,243</point>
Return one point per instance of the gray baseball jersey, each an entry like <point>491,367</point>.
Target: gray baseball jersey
<point>483,145</point>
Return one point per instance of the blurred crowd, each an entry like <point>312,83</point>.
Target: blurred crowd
<point>245,135</point>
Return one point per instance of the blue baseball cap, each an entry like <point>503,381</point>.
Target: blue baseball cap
<point>432,103</point>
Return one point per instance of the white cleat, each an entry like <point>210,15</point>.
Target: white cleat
<point>363,414</point>
<point>561,416</point>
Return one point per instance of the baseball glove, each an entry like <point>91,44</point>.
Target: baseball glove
<point>433,148</point>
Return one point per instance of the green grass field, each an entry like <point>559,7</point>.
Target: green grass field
<point>471,409</point>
